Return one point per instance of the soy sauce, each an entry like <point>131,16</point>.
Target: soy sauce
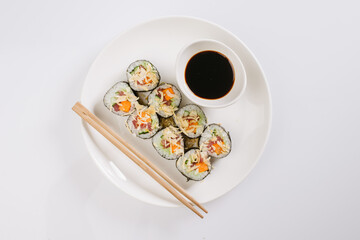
<point>209,75</point>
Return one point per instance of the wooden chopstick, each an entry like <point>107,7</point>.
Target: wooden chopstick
<point>147,161</point>
<point>134,155</point>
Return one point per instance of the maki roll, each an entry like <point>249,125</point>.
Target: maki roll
<point>215,141</point>
<point>142,76</point>
<point>120,99</point>
<point>169,143</point>
<point>194,165</point>
<point>191,120</point>
<point>144,122</point>
<point>166,98</point>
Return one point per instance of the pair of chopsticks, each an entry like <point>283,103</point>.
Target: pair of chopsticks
<point>158,175</point>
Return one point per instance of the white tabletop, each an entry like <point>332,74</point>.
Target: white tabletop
<point>305,186</point>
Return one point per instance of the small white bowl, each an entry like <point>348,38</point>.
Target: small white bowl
<point>189,50</point>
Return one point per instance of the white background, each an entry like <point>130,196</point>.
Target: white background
<point>305,186</point>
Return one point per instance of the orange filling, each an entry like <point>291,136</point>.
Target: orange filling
<point>125,106</point>
<point>218,149</point>
<point>147,80</point>
<point>167,93</point>
<point>191,126</point>
<point>175,147</point>
<point>144,117</point>
<point>202,167</point>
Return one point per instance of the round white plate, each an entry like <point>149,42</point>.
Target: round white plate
<point>159,41</point>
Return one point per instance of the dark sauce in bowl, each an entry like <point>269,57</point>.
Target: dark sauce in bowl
<point>209,75</point>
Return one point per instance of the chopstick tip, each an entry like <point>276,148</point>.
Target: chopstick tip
<point>77,105</point>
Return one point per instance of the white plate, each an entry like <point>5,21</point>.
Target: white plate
<point>159,41</point>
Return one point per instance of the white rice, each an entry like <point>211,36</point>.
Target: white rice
<point>162,109</point>
<point>147,87</point>
<point>119,86</point>
<point>132,129</point>
<point>184,168</point>
<point>201,123</point>
<point>166,152</point>
<point>207,135</point>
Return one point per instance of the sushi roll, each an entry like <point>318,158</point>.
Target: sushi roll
<point>169,143</point>
<point>142,76</point>
<point>215,141</point>
<point>144,122</point>
<point>191,120</point>
<point>120,99</point>
<point>194,165</point>
<point>166,98</point>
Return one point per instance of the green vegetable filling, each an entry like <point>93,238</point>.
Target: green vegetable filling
<point>214,132</point>
<point>134,70</point>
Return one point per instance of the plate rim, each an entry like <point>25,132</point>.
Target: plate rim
<point>86,136</point>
